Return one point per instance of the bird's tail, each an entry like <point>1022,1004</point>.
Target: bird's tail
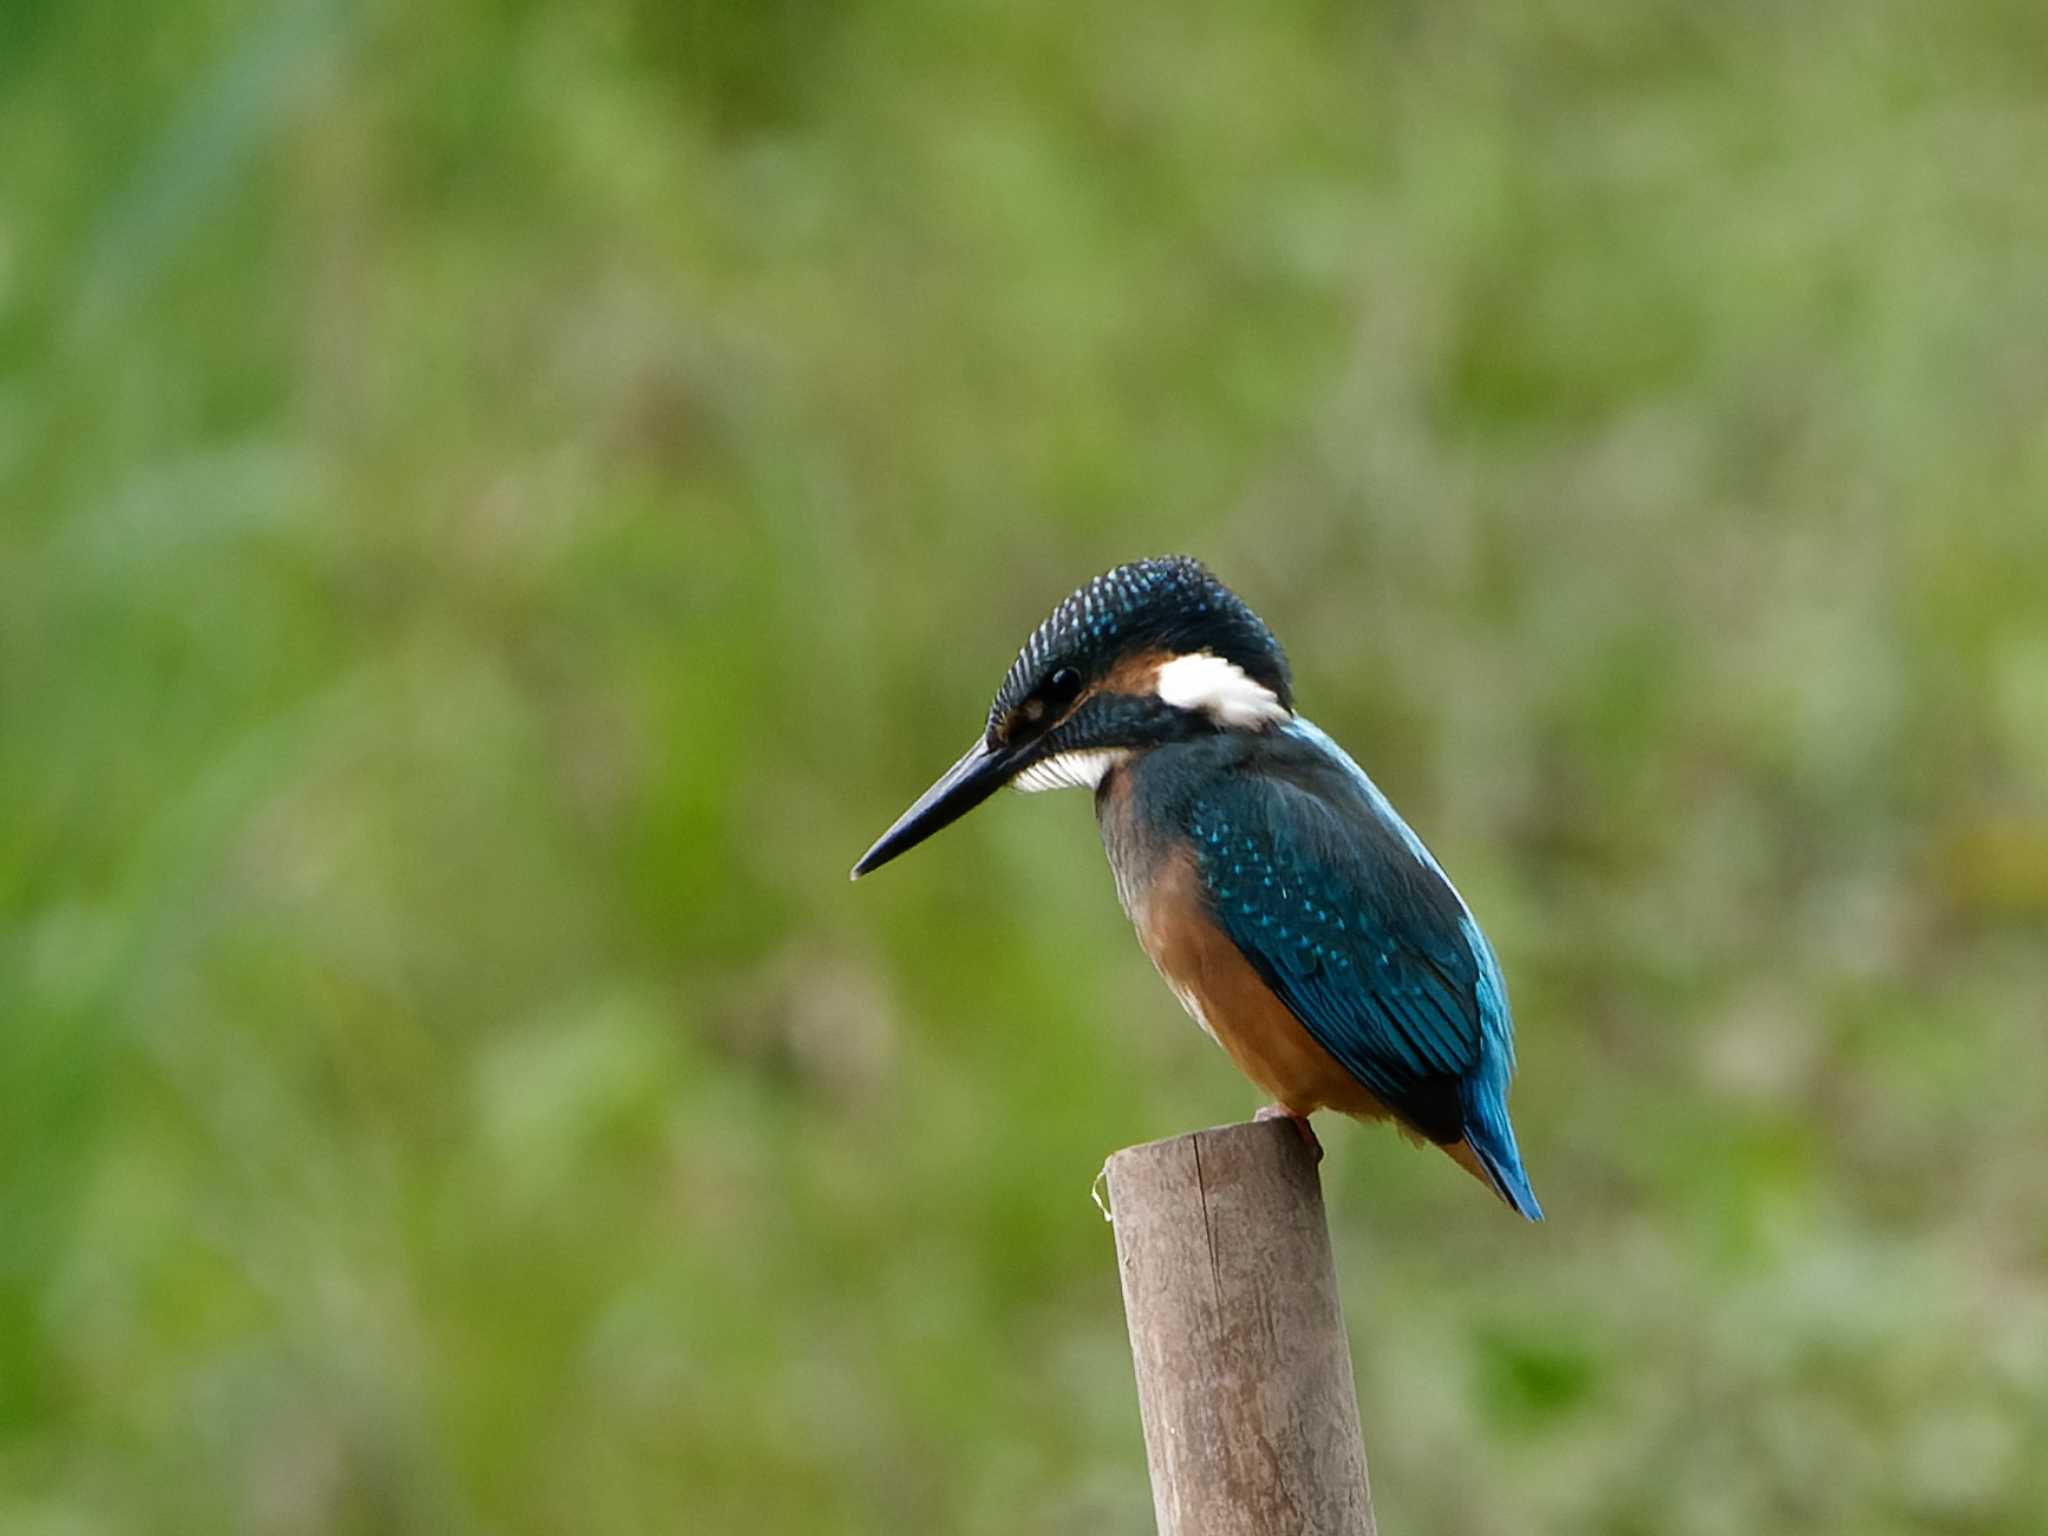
<point>1491,1141</point>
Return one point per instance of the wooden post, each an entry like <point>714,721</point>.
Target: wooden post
<point>1244,1370</point>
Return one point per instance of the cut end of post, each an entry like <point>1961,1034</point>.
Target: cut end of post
<point>1272,1138</point>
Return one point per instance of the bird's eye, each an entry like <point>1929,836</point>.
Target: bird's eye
<point>1051,698</point>
<point>1061,689</point>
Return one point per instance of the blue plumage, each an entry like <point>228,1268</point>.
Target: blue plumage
<point>1346,916</point>
<point>1271,882</point>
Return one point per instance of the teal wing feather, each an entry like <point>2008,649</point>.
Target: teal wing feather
<point>1363,942</point>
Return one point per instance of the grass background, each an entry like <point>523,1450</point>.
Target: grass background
<point>502,501</point>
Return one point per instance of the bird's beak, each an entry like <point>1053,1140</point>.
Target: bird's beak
<point>980,773</point>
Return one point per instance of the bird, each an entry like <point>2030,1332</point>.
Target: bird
<point>1297,918</point>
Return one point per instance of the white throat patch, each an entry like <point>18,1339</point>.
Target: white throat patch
<point>1220,689</point>
<point>1069,770</point>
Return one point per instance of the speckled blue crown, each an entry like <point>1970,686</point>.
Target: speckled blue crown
<point>1171,604</point>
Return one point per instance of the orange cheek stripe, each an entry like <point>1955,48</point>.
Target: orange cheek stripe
<point>1136,674</point>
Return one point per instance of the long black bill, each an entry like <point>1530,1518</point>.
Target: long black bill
<point>979,774</point>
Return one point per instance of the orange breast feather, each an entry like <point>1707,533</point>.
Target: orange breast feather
<point>1218,986</point>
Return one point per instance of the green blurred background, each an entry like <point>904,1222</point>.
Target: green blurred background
<point>503,501</point>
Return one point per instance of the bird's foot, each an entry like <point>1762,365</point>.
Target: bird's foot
<point>1301,1126</point>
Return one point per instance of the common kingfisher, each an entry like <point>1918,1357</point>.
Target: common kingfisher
<point>1292,911</point>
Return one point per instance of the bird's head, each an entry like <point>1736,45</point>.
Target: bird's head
<point>1151,652</point>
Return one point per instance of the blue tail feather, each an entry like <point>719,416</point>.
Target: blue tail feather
<point>1492,1140</point>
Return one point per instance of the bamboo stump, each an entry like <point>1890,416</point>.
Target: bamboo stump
<point>1244,1368</point>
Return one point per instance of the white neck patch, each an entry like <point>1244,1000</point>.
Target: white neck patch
<point>1220,689</point>
<point>1069,770</point>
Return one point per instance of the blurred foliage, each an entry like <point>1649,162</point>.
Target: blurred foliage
<point>504,500</point>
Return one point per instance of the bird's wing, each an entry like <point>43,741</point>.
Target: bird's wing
<point>1362,940</point>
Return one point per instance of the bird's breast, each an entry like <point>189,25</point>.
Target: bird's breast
<point>1133,854</point>
<point>1161,890</point>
